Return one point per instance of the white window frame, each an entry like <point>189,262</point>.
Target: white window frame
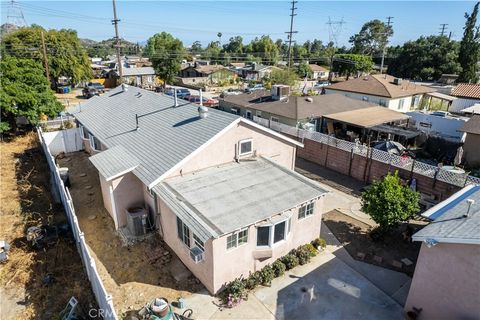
<point>240,154</point>
<point>84,132</point>
<point>309,210</point>
<point>271,234</point>
<point>274,119</point>
<point>182,237</point>
<point>247,112</point>
<point>234,110</point>
<point>198,242</point>
<point>236,235</point>
<point>401,103</point>
<point>92,138</point>
<point>258,113</point>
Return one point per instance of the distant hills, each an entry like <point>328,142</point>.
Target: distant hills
<point>106,47</point>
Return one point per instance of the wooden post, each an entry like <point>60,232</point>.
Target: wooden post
<point>350,165</point>
<point>45,58</point>
<point>326,155</point>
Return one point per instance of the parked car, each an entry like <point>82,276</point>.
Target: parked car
<point>254,87</point>
<point>100,87</point>
<point>230,93</point>
<point>89,92</point>
<point>205,101</point>
<point>181,92</point>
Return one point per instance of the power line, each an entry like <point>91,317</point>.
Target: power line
<point>443,28</point>
<point>291,32</point>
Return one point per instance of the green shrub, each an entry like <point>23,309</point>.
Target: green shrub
<point>268,274</point>
<point>255,279</point>
<point>313,251</point>
<point>290,261</point>
<point>303,255</point>
<point>279,268</point>
<point>319,242</point>
<point>235,289</point>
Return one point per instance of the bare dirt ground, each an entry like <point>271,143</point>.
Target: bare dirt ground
<point>127,273</point>
<point>354,236</point>
<point>71,99</point>
<point>26,201</point>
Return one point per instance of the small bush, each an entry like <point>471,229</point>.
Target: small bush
<point>303,255</point>
<point>313,251</point>
<point>279,268</point>
<point>290,261</point>
<point>267,275</point>
<point>319,242</point>
<point>255,279</point>
<point>234,289</point>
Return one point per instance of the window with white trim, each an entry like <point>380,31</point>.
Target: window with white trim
<point>183,232</point>
<point>305,210</point>
<point>236,239</point>
<point>198,243</point>
<point>401,103</point>
<point>245,147</point>
<point>249,114</point>
<point>84,131</point>
<point>271,234</point>
<point>94,143</point>
<point>258,113</point>
<point>274,119</point>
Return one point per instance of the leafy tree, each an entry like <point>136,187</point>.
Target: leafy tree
<point>352,64</point>
<point>166,54</point>
<point>213,52</point>
<point>66,55</point>
<point>426,58</point>
<point>372,38</point>
<point>282,47</point>
<point>251,58</point>
<point>388,202</point>
<point>235,45</point>
<point>470,48</point>
<point>24,91</point>
<point>300,52</point>
<point>304,70</point>
<point>265,48</point>
<point>283,76</point>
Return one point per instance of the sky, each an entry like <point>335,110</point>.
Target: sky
<point>202,20</point>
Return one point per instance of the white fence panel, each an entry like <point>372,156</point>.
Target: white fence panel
<point>70,139</point>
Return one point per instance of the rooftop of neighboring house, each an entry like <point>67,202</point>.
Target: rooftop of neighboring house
<point>228,197</point>
<point>237,64</point>
<point>297,107</point>
<point>142,71</point>
<point>317,68</point>
<point>467,90</point>
<point>472,126</point>
<point>381,85</point>
<point>455,220</point>
<point>256,67</point>
<point>368,117</point>
<point>209,69</point>
<point>164,137</point>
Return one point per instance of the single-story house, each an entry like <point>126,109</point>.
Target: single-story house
<point>206,74</point>
<point>446,284</point>
<point>471,147</point>
<point>140,77</point>
<point>256,71</point>
<point>220,190</point>
<point>468,94</point>
<point>439,124</point>
<point>319,72</point>
<point>382,89</point>
<point>290,110</point>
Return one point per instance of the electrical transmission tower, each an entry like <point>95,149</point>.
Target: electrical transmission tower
<point>291,32</point>
<point>334,30</point>
<point>443,28</point>
<point>15,17</point>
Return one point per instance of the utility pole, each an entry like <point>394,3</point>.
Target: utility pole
<point>389,22</point>
<point>117,41</point>
<point>291,32</point>
<point>443,28</point>
<point>45,58</point>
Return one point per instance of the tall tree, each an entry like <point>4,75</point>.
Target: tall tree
<point>166,54</point>
<point>196,47</point>
<point>426,58</point>
<point>66,55</point>
<point>469,54</point>
<point>265,48</point>
<point>24,91</point>
<point>352,64</point>
<point>372,38</point>
<point>235,45</point>
<point>213,52</point>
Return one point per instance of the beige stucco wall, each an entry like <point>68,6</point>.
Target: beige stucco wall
<point>222,150</point>
<point>127,192</point>
<point>471,149</point>
<point>107,198</point>
<point>446,283</point>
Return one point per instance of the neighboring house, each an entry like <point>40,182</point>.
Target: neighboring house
<point>319,72</point>
<point>385,90</point>
<point>446,283</point>
<point>290,110</point>
<point>471,147</point>
<point>221,190</point>
<point>206,74</point>
<point>256,71</point>
<point>468,94</point>
<point>140,77</point>
<point>439,124</point>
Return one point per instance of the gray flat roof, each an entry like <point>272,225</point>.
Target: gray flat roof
<point>114,162</point>
<point>235,195</point>
<point>450,225</point>
<point>166,134</point>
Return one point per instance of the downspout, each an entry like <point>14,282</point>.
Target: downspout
<point>114,207</point>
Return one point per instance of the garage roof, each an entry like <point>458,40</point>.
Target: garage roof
<point>368,117</point>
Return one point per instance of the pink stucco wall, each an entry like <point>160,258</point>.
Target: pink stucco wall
<point>446,282</point>
<point>107,199</point>
<point>222,150</point>
<point>127,192</point>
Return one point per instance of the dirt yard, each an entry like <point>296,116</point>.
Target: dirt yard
<point>388,252</point>
<point>35,284</point>
<point>128,274</point>
<point>71,99</point>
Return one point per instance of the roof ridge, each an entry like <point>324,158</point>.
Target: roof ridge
<point>374,76</point>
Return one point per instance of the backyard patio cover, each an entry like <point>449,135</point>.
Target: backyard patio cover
<point>368,117</point>
<point>226,198</point>
<point>114,162</point>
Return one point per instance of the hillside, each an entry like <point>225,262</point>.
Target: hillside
<point>106,47</point>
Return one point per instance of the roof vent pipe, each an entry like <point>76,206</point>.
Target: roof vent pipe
<point>202,112</point>
<point>470,203</point>
<point>136,121</point>
<point>175,100</point>
<point>201,98</point>
<point>124,87</point>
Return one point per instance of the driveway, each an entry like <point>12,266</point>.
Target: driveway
<point>325,288</point>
